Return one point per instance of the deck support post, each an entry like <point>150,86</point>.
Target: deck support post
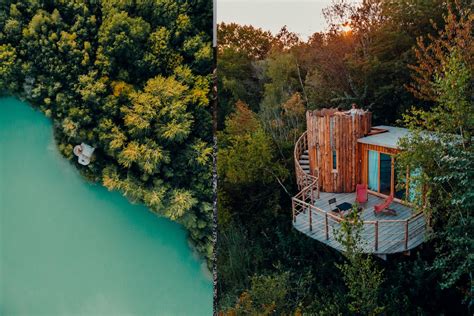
<point>326,225</point>
<point>293,209</point>
<point>406,234</point>
<point>303,195</point>
<point>376,229</point>
<point>310,220</point>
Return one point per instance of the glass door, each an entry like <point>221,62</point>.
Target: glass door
<point>373,170</point>
<point>385,174</point>
<point>380,172</point>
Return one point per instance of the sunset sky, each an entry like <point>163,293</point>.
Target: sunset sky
<point>301,16</point>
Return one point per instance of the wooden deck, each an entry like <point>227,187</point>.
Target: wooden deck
<point>381,234</point>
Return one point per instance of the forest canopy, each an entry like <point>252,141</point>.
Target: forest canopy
<point>130,78</point>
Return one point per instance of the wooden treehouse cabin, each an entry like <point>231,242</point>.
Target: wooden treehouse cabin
<point>342,161</point>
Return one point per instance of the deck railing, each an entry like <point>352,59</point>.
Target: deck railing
<point>396,236</point>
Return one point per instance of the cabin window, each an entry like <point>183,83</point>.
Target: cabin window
<point>373,170</point>
<point>334,160</point>
<point>385,174</point>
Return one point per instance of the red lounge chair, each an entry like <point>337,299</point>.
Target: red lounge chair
<point>383,208</point>
<point>361,193</point>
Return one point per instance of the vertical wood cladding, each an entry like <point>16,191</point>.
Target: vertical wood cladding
<point>328,131</point>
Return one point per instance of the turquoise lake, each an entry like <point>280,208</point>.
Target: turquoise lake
<point>69,247</point>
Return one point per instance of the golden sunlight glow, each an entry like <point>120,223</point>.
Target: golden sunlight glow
<point>346,27</point>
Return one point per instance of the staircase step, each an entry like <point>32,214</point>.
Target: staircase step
<point>304,162</point>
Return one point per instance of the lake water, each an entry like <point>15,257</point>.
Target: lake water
<point>68,247</point>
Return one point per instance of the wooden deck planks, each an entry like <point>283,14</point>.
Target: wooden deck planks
<point>391,237</point>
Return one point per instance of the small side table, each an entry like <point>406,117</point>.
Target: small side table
<point>344,206</point>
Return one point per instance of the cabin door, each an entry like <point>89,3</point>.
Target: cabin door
<point>373,170</point>
<point>380,172</point>
<point>385,174</point>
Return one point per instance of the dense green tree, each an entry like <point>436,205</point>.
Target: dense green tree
<point>323,59</point>
<point>122,41</point>
<point>431,57</point>
<point>361,274</point>
<point>281,71</point>
<point>7,66</point>
<point>246,39</point>
<point>241,52</point>
<point>375,66</point>
<point>238,80</point>
<point>266,296</point>
<point>444,156</point>
<point>441,148</point>
<point>246,155</point>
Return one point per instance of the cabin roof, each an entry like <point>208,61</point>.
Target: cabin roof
<point>87,150</point>
<point>388,139</point>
